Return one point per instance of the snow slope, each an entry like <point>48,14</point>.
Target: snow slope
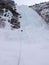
<point>30,47</point>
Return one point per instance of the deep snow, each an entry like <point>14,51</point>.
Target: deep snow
<point>30,47</point>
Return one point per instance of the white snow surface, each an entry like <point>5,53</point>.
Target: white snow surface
<point>30,47</point>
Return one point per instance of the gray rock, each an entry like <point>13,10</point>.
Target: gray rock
<point>43,10</point>
<point>10,5</point>
<point>2,23</point>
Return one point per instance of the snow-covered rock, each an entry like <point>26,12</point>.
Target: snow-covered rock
<point>8,10</point>
<point>43,10</point>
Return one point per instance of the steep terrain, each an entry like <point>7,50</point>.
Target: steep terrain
<point>43,10</point>
<point>28,45</point>
<point>8,10</point>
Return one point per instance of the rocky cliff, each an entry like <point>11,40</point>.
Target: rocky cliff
<point>43,10</point>
<point>8,11</point>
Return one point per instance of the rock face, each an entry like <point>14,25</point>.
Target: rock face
<point>43,10</point>
<point>8,7</point>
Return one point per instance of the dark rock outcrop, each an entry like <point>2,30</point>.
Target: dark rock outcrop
<point>43,10</point>
<point>9,5</point>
